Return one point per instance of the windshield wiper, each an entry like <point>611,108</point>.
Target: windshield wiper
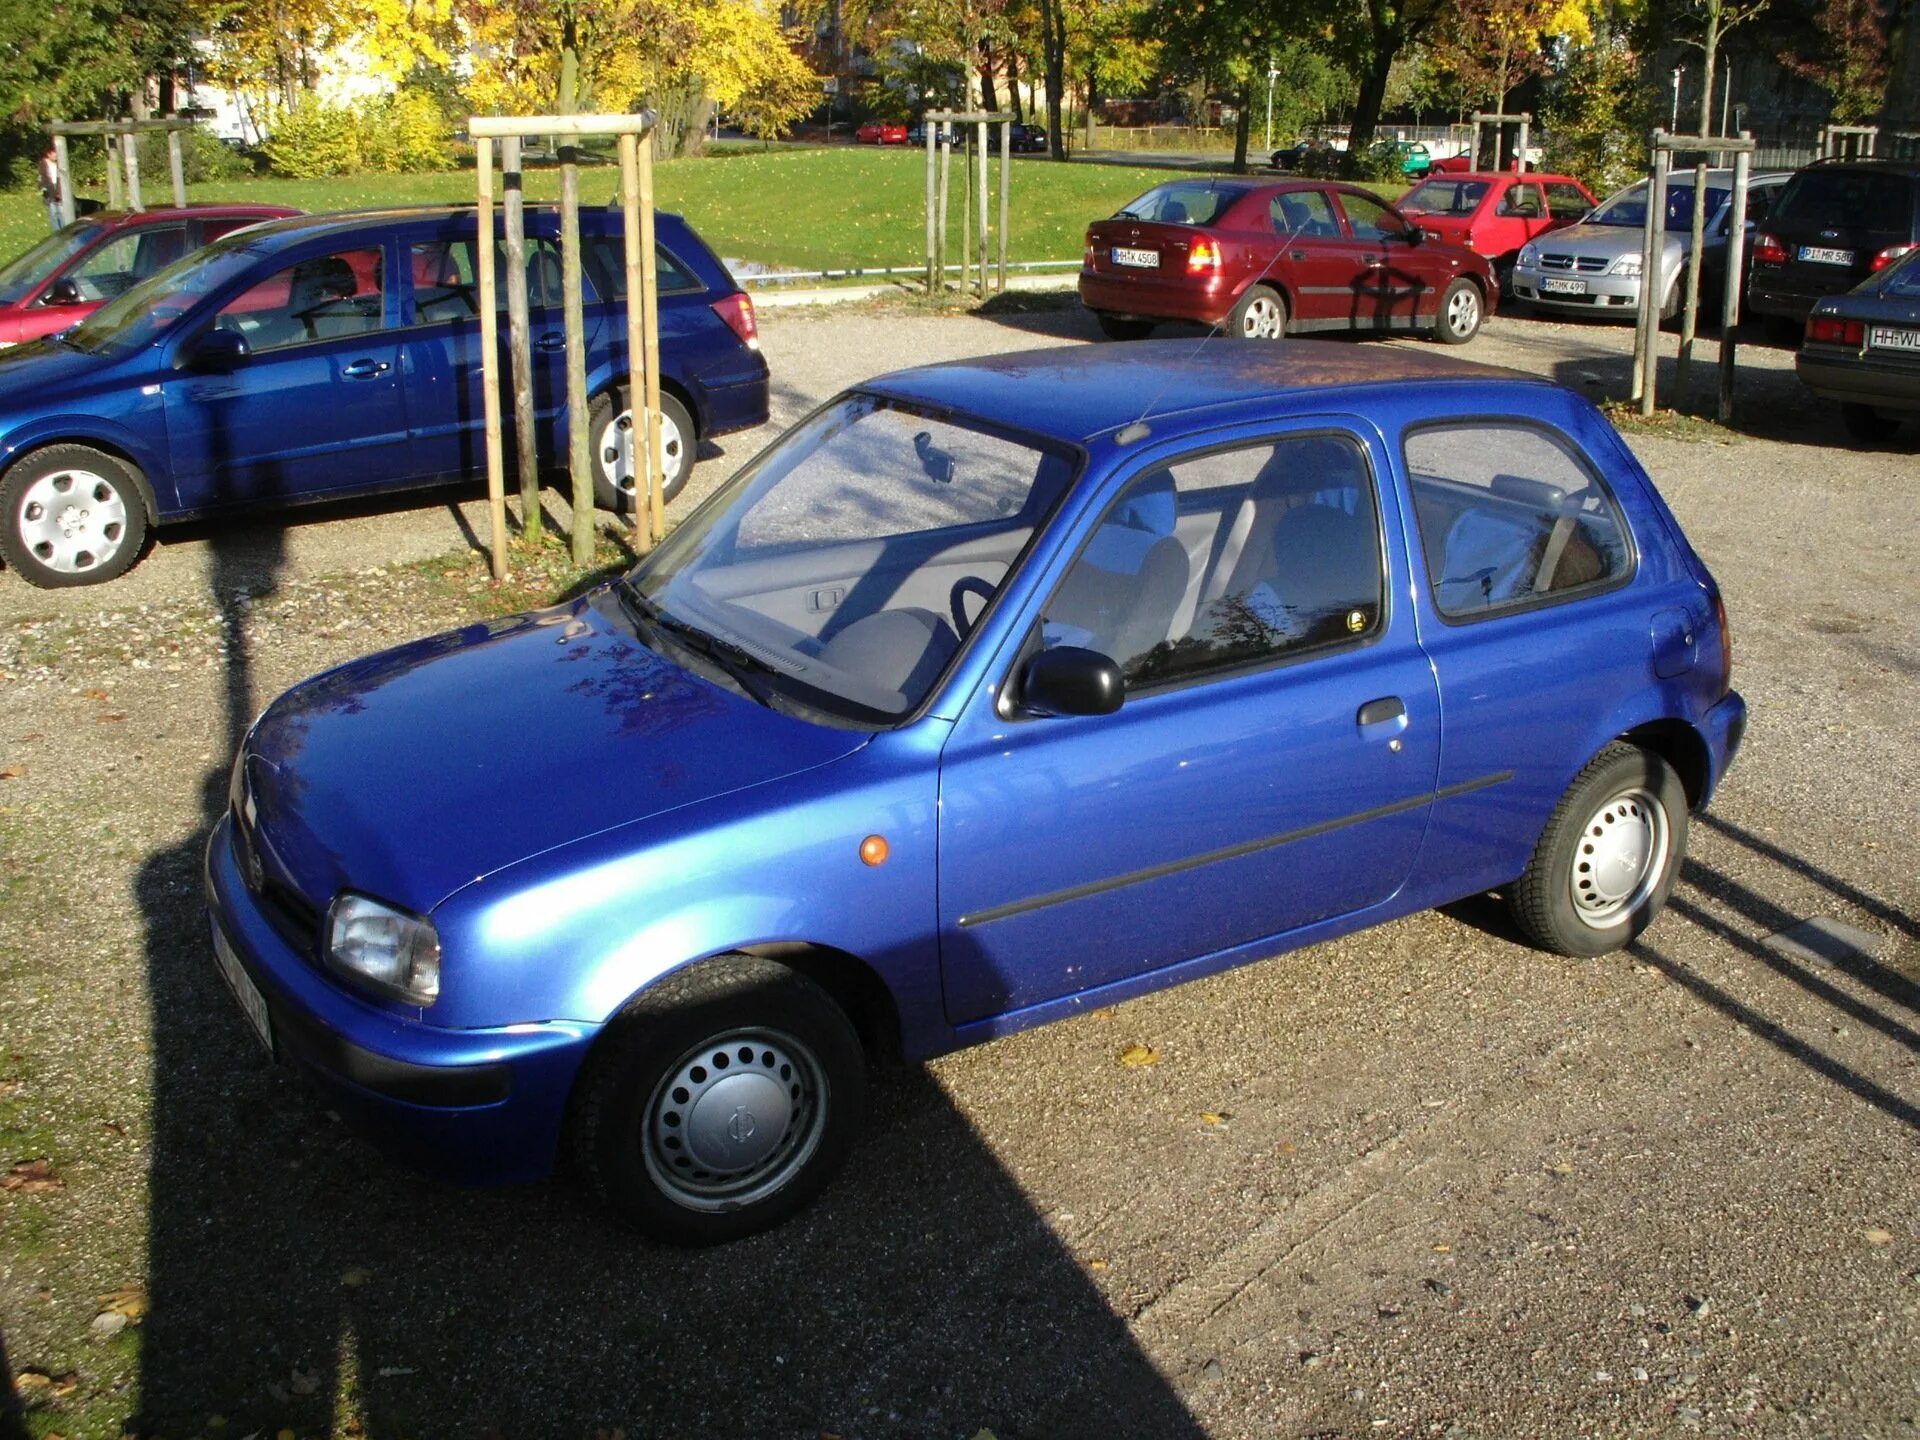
<point>747,670</point>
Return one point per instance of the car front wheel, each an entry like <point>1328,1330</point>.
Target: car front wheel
<point>616,439</point>
<point>1458,318</point>
<point>73,515</point>
<point>1604,865</point>
<point>720,1102</point>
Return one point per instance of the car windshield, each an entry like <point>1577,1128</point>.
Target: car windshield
<point>837,575</point>
<point>1903,279</point>
<point>1445,197</point>
<point>1183,202</point>
<point>1629,207</point>
<point>138,316</point>
<point>27,273</point>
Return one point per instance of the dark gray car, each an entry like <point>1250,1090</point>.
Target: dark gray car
<point>1863,350</point>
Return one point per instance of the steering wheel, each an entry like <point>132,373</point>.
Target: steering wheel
<point>956,601</point>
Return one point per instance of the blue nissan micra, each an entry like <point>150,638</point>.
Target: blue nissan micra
<point>339,355</point>
<point>994,691</point>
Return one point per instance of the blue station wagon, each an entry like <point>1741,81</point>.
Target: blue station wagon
<point>339,355</point>
<point>993,692</point>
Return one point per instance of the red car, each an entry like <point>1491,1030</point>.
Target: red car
<point>1494,212</point>
<point>71,273</point>
<point>882,132</point>
<point>1277,259</point>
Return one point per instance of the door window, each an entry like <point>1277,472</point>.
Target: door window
<point>1565,202</point>
<point>1304,212</point>
<point>1228,559</point>
<point>126,259</point>
<point>324,297</point>
<point>1370,219</point>
<point>446,284</point>
<point>1509,515</point>
<point>1522,201</point>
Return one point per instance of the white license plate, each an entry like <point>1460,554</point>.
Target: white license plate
<point>1137,259</point>
<point>1892,337</point>
<point>1826,257</point>
<point>244,990</point>
<point>1557,286</point>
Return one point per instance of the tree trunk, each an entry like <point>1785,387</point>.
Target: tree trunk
<point>989,96</point>
<point>1053,47</point>
<point>1708,49</point>
<point>1373,95</point>
<point>1013,84</point>
<point>1243,103</point>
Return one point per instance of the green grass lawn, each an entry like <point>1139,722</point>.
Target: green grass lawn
<point>808,209</point>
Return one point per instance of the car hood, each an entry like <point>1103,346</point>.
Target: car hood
<point>413,772</point>
<point>1606,242</point>
<point>29,372</point>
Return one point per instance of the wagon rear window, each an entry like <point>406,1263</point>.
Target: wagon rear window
<point>1509,516</point>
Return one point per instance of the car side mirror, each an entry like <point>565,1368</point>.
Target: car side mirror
<point>1415,235</point>
<point>1070,680</point>
<point>218,351</point>
<point>63,292</point>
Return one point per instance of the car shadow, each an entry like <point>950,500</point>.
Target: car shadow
<point>298,1281</point>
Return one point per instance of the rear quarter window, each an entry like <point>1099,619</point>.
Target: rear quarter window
<point>1183,203</point>
<point>1511,516</point>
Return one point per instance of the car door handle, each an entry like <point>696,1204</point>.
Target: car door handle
<point>1297,254</point>
<point>1384,711</point>
<point>364,369</point>
<point>552,340</point>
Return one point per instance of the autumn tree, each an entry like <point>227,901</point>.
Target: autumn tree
<point>1377,36</point>
<point>1849,60</point>
<point>1227,43</point>
<point>1491,46</point>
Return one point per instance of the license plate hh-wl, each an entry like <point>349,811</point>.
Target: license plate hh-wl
<point>1137,259</point>
<point>252,1003</point>
<point>1892,337</point>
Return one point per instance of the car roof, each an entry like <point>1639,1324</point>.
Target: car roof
<point>120,219</point>
<point>1909,168</point>
<point>290,231</point>
<point>1078,393</point>
<point>1544,176</point>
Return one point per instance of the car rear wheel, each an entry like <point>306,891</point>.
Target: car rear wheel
<point>1868,425</point>
<point>1114,328</point>
<point>1458,318</point>
<point>720,1102</point>
<point>72,515</point>
<point>1607,859</point>
<point>1261,314</point>
<point>614,435</point>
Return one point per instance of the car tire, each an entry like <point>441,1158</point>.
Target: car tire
<point>1114,328</point>
<point>1259,314</point>
<point>1607,859</point>
<point>71,515</point>
<point>731,1043</point>
<point>1456,319</point>
<point>1868,425</point>
<point>611,434</point>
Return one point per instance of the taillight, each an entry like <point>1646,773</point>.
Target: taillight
<point>737,311</point>
<point>1086,255</point>
<point>1833,330</point>
<point>1205,255</point>
<point>1726,642</point>
<point>1887,256</point>
<point>1767,250</point>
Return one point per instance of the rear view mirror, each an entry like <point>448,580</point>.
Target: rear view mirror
<point>63,292</point>
<point>936,462</point>
<point>1069,680</point>
<point>218,351</point>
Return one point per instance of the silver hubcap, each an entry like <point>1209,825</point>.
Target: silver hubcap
<point>1463,311</point>
<point>1621,856</point>
<point>72,521</point>
<point>1261,320</point>
<point>616,446</point>
<point>735,1119</point>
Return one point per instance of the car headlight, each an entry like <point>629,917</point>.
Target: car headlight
<point>384,949</point>
<point>1529,256</point>
<point>1625,265</point>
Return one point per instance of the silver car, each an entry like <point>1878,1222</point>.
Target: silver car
<point>1593,268</point>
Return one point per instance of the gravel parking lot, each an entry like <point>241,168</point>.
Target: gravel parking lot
<point>1421,1181</point>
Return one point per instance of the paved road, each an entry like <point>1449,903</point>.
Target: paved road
<point>1450,1187</point>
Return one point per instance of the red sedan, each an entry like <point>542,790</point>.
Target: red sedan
<point>882,132</point>
<point>1494,212</point>
<point>1276,259</point>
<point>76,270</point>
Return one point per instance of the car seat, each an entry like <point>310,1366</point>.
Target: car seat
<point>1322,570</point>
<point>1121,594</point>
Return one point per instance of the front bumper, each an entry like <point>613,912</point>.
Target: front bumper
<point>474,1106</point>
<point>1614,295</point>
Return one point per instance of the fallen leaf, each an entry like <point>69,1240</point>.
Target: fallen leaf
<point>103,719</point>
<point>128,1300</point>
<point>32,1386</point>
<point>1139,1055</point>
<point>1560,1167</point>
<point>93,694</point>
<point>1098,1265</point>
<point>12,772</point>
<point>113,1127</point>
<point>32,1177</point>
<point>355,1276</point>
<point>1877,1236</point>
<point>285,1435</point>
<point>1443,1249</point>
<point>1212,1119</point>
